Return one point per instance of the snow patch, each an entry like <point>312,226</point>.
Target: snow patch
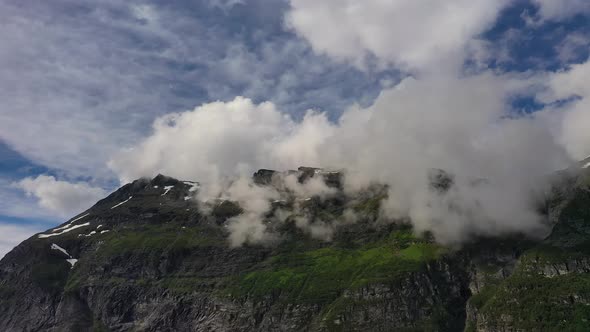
<point>56,247</point>
<point>86,215</point>
<point>44,236</point>
<point>70,223</point>
<point>105,231</point>
<point>123,202</point>
<point>156,187</point>
<point>187,198</point>
<point>324,172</point>
<point>194,186</point>
<point>70,260</point>
<point>587,165</point>
<point>87,235</point>
<point>167,189</point>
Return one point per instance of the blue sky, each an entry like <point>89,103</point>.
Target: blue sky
<point>84,79</point>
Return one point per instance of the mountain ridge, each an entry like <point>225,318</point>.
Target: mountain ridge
<point>157,262</point>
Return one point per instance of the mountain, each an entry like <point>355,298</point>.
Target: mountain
<point>148,258</point>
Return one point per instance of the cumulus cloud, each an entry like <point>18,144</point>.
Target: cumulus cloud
<point>61,197</point>
<point>405,33</point>
<point>461,125</point>
<point>217,139</point>
<point>12,235</point>
<point>574,116</point>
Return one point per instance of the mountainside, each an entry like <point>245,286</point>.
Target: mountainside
<point>148,258</point>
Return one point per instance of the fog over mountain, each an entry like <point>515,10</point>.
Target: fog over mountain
<point>461,125</point>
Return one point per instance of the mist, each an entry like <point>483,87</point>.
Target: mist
<point>464,126</point>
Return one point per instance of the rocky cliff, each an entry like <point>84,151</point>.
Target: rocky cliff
<point>148,258</point>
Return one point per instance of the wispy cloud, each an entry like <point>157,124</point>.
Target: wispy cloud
<point>559,10</point>
<point>12,235</point>
<point>85,78</point>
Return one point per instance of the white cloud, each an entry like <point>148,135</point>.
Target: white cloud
<point>457,124</point>
<point>249,226</point>
<point>407,33</point>
<point>87,79</point>
<point>226,4</point>
<point>571,47</point>
<point>61,197</point>
<point>301,143</point>
<point>100,93</point>
<point>312,187</point>
<point>318,230</point>
<point>559,10</point>
<point>217,139</point>
<point>145,12</point>
<point>575,115</point>
<point>11,235</point>
<point>15,203</point>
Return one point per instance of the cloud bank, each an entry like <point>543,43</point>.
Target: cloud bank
<point>224,138</point>
<point>464,126</point>
<point>572,85</point>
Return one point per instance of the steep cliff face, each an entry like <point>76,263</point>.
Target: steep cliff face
<point>548,288</point>
<point>148,258</point>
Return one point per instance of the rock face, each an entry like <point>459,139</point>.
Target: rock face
<point>148,258</point>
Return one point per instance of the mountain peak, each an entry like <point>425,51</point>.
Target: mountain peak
<point>148,258</point>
